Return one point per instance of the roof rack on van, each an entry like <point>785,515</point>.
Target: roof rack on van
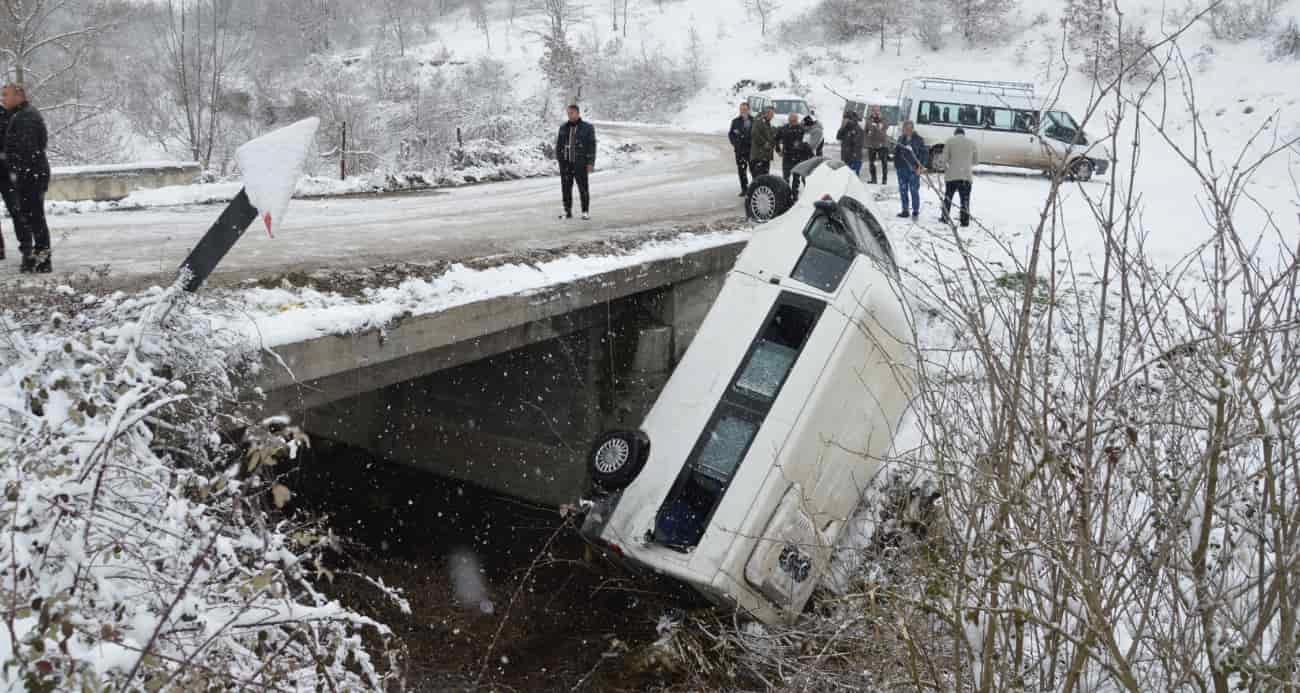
<point>983,87</point>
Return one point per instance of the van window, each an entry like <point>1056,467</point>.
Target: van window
<point>790,106</point>
<point>999,118</point>
<point>939,113</point>
<point>707,472</point>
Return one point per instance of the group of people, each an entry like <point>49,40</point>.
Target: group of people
<point>756,143</point>
<point>25,177</point>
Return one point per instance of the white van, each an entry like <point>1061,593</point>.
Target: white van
<point>749,465</point>
<point>1010,126</point>
<point>783,104</point>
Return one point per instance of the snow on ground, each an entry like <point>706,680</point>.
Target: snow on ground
<point>275,317</point>
<point>485,162</point>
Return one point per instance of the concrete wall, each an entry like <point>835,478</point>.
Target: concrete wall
<point>521,422</point>
<point>314,372</point>
<point>108,183</point>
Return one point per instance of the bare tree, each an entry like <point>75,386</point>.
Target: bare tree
<point>196,44</point>
<point>29,36</point>
<point>979,20</point>
<point>762,9</point>
<point>478,11</point>
<point>560,60</point>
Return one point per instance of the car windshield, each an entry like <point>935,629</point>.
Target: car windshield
<point>1061,126</point>
<point>889,114</point>
<point>790,106</point>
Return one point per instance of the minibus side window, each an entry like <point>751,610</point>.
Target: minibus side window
<point>726,439</point>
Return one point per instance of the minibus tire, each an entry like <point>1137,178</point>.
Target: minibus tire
<point>767,198</point>
<point>616,458</point>
<point>1082,170</point>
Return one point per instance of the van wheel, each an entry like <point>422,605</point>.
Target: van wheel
<point>768,197</point>
<point>1082,170</point>
<point>616,458</point>
<point>937,163</point>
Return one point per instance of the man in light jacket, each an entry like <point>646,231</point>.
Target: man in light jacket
<point>961,154</point>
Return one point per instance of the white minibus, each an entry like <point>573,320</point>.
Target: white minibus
<point>751,461</point>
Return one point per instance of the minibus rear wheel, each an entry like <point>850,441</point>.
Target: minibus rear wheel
<point>616,458</point>
<point>768,197</point>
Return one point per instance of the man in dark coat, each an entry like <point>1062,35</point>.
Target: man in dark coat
<point>739,135</point>
<point>575,149</point>
<point>6,188</point>
<point>790,145</point>
<point>851,137</point>
<point>762,142</point>
<point>877,147</point>
<point>28,171</point>
<point>910,159</point>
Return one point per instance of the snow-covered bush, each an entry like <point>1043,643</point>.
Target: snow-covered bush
<point>1238,20</point>
<point>621,85</point>
<point>1286,45</point>
<point>140,548</point>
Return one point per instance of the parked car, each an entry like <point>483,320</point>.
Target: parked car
<point>783,104</point>
<point>1009,124</point>
<point>751,461</point>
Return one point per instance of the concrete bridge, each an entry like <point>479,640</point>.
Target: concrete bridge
<point>116,181</point>
<point>507,392</point>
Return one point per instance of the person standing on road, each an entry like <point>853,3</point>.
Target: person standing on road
<point>740,135</point>
<point>6,187</point>
<point>877,148</point>
<point>762,143</point>
<point>961,154</point>
<point>851,137</point>
<point>910,159</point>
<point>814,136</point>
<point>790,145</point>
<point>575,149</point>
<point>28,172</point>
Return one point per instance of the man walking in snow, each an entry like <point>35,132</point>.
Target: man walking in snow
<point>575,149</point>
<point>851,137</point>
<point>910,160</point>
<point>961,154</point>
<point>790,145</point>
<point>877,148</point>
<point>762,142</point>
<point>739,135</point>
<point>28,174</point>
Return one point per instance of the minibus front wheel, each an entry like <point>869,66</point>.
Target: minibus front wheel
<point>616,458</point>
<point>1082,169</point>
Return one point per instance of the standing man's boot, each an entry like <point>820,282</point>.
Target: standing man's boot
<point>28,266</point>
<point>42,263</point>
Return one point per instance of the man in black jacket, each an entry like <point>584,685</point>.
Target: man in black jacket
<point>575,149</point>
<point>793,151</point>
<point>740,143</point>
<point>28,177</point>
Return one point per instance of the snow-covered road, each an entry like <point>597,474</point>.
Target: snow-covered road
<point>687,179</point>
